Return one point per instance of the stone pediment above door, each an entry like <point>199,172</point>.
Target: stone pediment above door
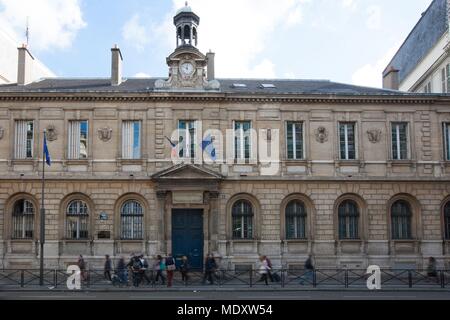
<point>187,172</point>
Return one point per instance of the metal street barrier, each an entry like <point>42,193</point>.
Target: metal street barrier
<point>13,279</point>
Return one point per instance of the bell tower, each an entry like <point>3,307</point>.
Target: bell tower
<point>186,23</point>
<point>187,65</point>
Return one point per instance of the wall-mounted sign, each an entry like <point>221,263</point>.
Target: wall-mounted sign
<point>187,197</point>
<point>103,216</point>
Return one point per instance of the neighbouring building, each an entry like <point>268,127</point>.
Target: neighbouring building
<point>422,64</point>
<point>363,176</point>
<point>8,62</point>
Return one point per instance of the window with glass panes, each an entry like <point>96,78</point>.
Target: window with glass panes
<point>77,220</point>
<point>445,79</point>
<point>294,140</point>
<point>447,220</point>
<point>187,132</point>
<point>446,139</point>
<point>78,140</point>
<point>401,218</point>
<point>400,141</point>
<point>131,139</point>
<point>348,216</point>
<point>242,220</point>
<point>23,139</point>
<point>242,140</point>
<point>347,145</point>
<point>23,220</point>
<point>131,221</point>
<point>295,220</point>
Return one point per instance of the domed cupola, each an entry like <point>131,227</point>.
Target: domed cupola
<point>186,23</point>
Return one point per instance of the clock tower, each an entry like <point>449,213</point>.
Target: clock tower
<point>187,65</point>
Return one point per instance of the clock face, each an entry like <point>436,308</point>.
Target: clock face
<point>187,68</point>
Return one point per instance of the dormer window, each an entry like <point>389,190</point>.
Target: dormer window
<point>239,85</point>
<point>268,86</point>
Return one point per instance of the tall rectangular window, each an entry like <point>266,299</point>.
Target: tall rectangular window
<point>294,140</point>
<point>131,139</point>
<point>400,141</point>
<point>78,140</point>
<point>242,140</point>
<point>187,133</point>
<point>428,88</point>
<point>347,145</point>
<point>24,139</point>
<point>446,132</point>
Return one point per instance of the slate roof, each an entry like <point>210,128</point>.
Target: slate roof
<point>145,85</point>
<point>427,32</point>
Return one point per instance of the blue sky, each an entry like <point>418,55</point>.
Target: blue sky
<point>347,41</point>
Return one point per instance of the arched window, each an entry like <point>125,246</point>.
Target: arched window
<point>23,220</point>
<point>348,216</point>
<point>77,220</point>
<point>131,221</point>
<point>242,214</point>
<point>401,217</point>
<point>295,220</point>
<point>447,220</point>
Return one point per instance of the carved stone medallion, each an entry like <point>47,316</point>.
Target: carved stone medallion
<point>52,134</point>
<point>321,134</point>
<point>374,135</point>
<point>105,134</point>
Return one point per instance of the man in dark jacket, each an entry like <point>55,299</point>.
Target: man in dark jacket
<point>309,271</point>
<point>210,268</point>
<point>107,268</point>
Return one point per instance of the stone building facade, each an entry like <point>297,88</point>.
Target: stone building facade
<point>362,178</point>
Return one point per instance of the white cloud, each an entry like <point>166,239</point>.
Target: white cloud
<point>141,75</point>
<point>371,74</point>
<point>238,31</point>
<point>349,4</point>
<point>54,24</point>
<point>374,17</point>
<point>135,33</point>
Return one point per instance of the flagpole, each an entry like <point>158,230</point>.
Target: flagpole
<point>42,231</point>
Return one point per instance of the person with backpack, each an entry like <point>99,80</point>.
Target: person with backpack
<point>159,267</point>
<point>171,267</point>
<point>269,270</point>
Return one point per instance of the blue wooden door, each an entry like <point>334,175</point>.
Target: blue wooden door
<point>187,236</point>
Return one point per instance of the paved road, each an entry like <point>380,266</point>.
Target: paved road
<point>227,295</point>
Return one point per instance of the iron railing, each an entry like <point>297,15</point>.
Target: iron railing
<point>12,279</point>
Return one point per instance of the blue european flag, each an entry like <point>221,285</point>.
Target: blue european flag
<point>48,160</point>
<point>207,145</point>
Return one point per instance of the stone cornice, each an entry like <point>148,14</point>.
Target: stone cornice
<point>218,97</point>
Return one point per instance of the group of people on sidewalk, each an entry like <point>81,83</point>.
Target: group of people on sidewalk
<point>163,270</point>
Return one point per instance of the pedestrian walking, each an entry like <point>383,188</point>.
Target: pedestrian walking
<point>309,271</point>
<point>184,269</point>
<point>263,269</point>
<point>136,266</point>
<point>171,267</point>
<point>432,270</point>
<point>210,269</point>
<point>144,269</point>
<point>159,267</point>
<point>122,271</point>
<point>107,268</point>
<point>269,270</point>
<point>82,266</point>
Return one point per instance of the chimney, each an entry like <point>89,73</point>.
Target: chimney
<point>210,67</point>
<point>116,66</point>
<point>25,66</point>
<point>391,79</point>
